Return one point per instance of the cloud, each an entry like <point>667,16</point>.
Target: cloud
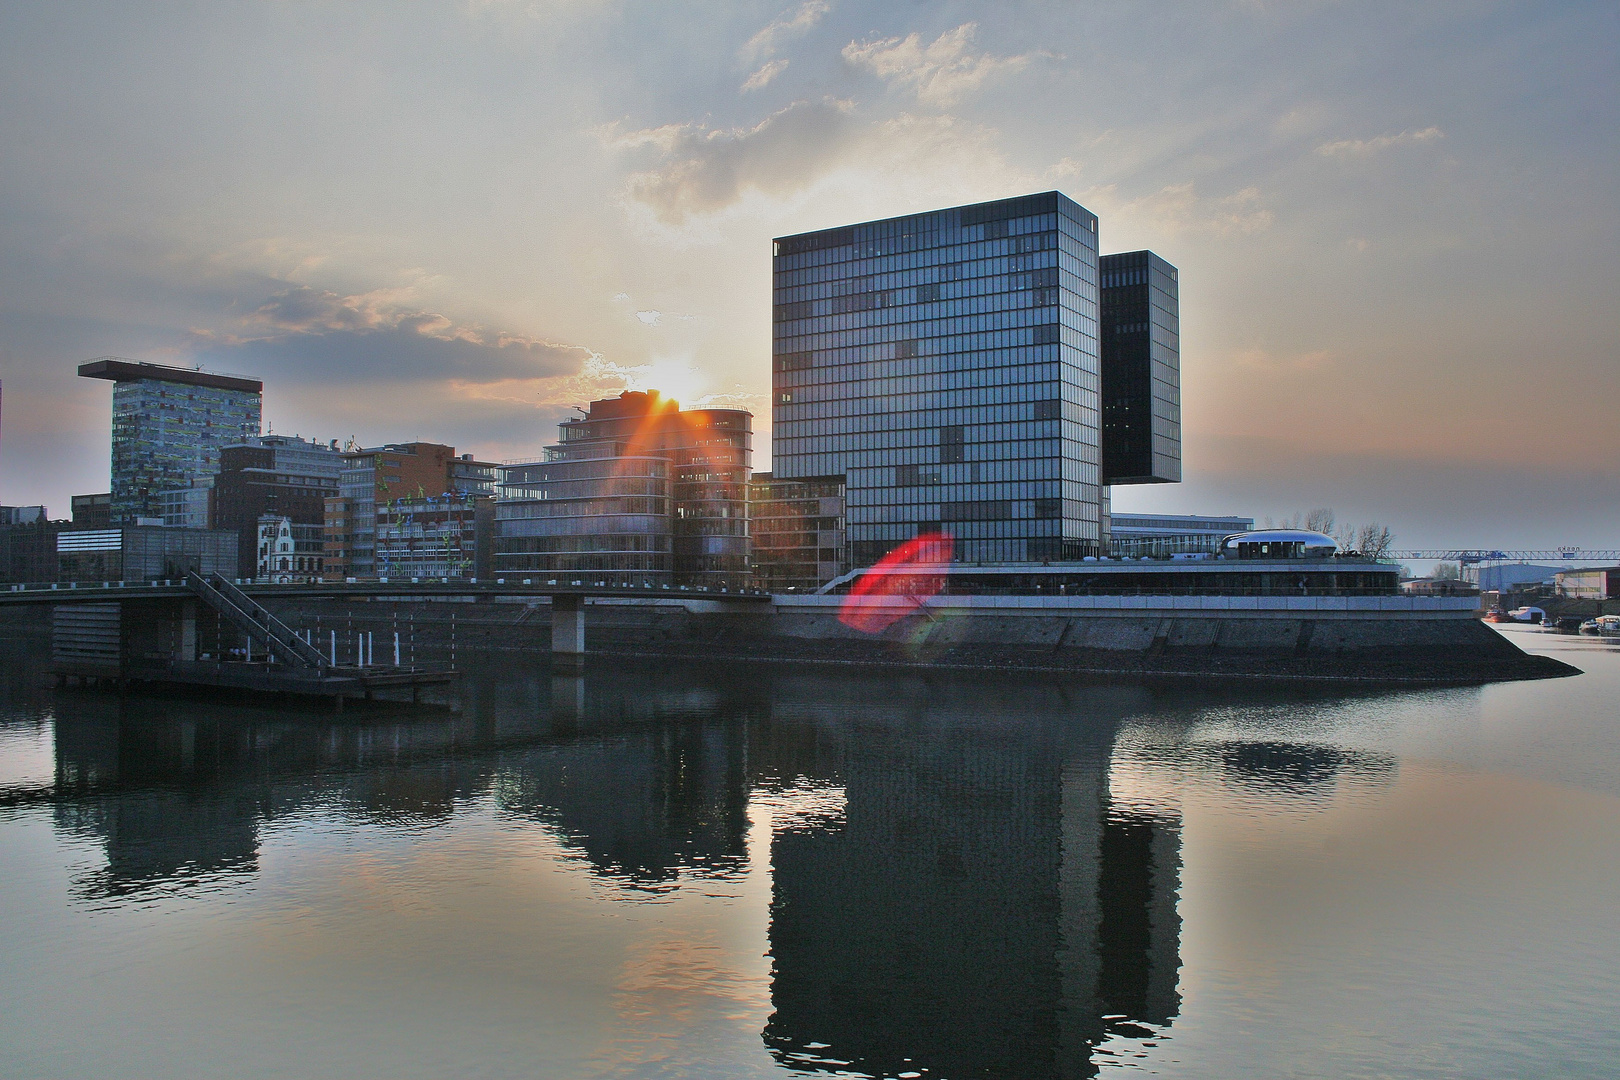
<point>762,78</point>
<point>703,169</point>
<point>372,337</point>
<point>787,25</point>
<point>939,73</point>
<point>1350,148</point>
<point>1178,208</point>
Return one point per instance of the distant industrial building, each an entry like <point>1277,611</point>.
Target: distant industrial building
<point>143,553</point>
<point>370,478</point>
<point>168,427</point>
<point>1590,583</point>
<point>949,368</point>
<point>1136,535</point>
<point>275,475</point>
<point>797,532</point>
<point>637,490</point>
<point>1430,586</point>
<point>1497,577</point>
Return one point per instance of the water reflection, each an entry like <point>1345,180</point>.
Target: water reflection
<point>980,907</point>
<point>966,879</point>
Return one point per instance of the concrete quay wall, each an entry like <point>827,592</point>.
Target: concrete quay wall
<point>1391,639</point>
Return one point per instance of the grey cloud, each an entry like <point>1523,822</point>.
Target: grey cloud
<point>331,338</point>
<point>703,169</point>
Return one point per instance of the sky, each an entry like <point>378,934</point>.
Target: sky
<point>1396,225</point>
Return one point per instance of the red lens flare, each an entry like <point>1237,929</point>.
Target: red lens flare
<point>911,572</point>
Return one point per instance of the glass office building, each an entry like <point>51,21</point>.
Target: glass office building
<point>168,427</point>
<point>638,491</point>
<point>1141,370</point>
<point>947,365</point>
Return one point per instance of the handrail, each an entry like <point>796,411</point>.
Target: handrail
<point>254,618</point>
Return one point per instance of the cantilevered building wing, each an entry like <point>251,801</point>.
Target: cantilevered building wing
<point>1141,370</point>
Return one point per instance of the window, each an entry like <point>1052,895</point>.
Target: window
<point>952,445</point>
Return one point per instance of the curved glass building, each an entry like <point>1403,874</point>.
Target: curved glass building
<point>636,491</point>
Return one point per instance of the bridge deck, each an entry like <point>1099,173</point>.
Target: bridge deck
<point>103,591</point>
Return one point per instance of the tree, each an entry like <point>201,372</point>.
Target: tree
<point>1447,571</point>
<point>1374,540</point>
<point>1320,520</point>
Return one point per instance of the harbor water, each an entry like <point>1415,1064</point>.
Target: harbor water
<point>765,871</point>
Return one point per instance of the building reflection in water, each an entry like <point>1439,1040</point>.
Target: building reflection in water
<point>984,883</point>
<point>980,909</point>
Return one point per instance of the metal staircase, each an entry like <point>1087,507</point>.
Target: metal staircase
<point>254,619</point>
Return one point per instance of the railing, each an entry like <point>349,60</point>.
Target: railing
<point>251,616</point>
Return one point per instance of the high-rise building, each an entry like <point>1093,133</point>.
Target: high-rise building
<point>950,369</point>
<point>637,490</point>
<point>373,477</point>
<point>275,475</point>
<point>1141,370</point>
<point>946,364</point>
<point>169,425</point>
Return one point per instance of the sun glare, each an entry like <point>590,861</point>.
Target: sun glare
<point>672,376</point>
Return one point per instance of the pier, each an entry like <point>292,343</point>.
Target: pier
<point>209,631</point>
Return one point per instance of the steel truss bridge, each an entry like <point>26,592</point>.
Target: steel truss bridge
<point>1471,556</point>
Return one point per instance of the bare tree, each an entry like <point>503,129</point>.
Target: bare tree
<point>1320,520</point>
<point>1374,540</point>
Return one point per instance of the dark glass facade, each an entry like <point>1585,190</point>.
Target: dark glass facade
<point>1141,370</point>
<point>947,365</point>
<point>637,491</point>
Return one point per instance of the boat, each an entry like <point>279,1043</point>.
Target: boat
<point>1603,624</point>
<point>1497,615</point>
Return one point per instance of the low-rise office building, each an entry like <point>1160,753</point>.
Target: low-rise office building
<point>144,553</point>
<point>277,475</point>
<point>93,511</point>
<point>447,535</point>
<point>187,508</point>
<point>28,544</point>
<point>373,476</point>
<point>796,530</point>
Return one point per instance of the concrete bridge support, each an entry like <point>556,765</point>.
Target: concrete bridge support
<point>568,633</point>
